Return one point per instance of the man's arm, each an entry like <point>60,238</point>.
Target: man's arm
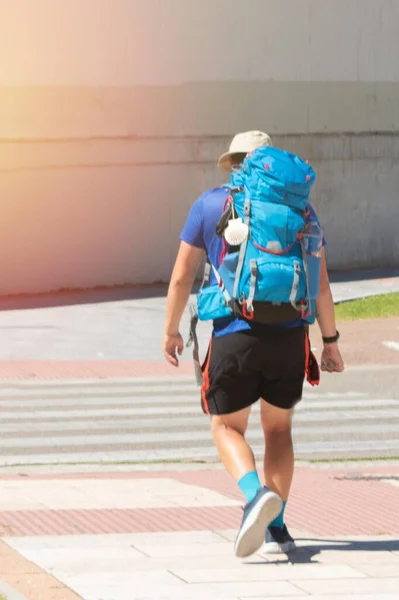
<point>186,266</point>
<point>331,359</point>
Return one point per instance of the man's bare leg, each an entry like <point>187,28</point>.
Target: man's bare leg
<point>279,453</point>
<point>278,469</point>
<point>229,436</point>
<point>262,505</point>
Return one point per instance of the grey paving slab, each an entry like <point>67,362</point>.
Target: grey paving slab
<point>118,324</point>
<point>379,570</point>
<point>266,572</point>
<point>372,596</point>
<point>366,586</point>
<point>216,591</point>
<point>76,561</point>
<point>193,565</point>
<point>138,584</point>
<point>355,557</point>
<point>123,330</point>
<point>9,593</point>
<point>111,541</point>
<point>219,549</point>
<point>344,291</point>
<point>153,593</point>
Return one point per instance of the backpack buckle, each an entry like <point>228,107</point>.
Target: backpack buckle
<point>248,314</point>
<point>305,312</point>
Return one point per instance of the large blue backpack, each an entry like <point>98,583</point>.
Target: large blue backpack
<point>263,275</point>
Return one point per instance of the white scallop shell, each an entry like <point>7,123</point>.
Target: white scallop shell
<point>236,232</point>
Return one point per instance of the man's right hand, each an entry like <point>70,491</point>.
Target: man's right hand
<point>173,345</point>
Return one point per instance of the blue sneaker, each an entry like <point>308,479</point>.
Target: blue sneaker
<point>278,541</point>
<point>263,509</point>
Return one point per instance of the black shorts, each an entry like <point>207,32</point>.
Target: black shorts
<point>242,367</point>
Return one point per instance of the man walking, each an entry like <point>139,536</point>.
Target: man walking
<point>247,361</point>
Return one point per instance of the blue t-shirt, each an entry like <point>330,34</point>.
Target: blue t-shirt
<point>200,231</point>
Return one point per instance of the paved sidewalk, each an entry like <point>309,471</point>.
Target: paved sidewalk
<point>118,332</point>
<point>169,535</point>
<point>361,284</point>
<point>374,342</point>
<point>106,331</point>
<point>163,534</point>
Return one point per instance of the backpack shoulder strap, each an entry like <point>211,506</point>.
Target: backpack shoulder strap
<point>193,337</point>
<point>243,247</point>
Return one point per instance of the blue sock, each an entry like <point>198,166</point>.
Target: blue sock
<point>250,485</point>
<point>279,520</point>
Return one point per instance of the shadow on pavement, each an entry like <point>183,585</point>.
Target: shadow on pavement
<point>306,553</point>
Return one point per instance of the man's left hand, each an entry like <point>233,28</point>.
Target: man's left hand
<point>331,359</point>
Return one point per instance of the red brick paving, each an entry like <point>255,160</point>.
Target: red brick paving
<point>326,502</point>
<point>79,522</point>
<point>322,502</point>
<point>208,478</point>
<point>76,369</point>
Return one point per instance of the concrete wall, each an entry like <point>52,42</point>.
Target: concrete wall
<point>113,112</point>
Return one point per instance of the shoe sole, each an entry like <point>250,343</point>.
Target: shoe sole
<point>252,534</point>
<point>275,548</point>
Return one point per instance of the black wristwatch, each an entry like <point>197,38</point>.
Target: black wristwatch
<point>332,339</point>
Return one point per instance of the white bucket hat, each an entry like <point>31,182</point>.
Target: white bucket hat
<point>243,143</point>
